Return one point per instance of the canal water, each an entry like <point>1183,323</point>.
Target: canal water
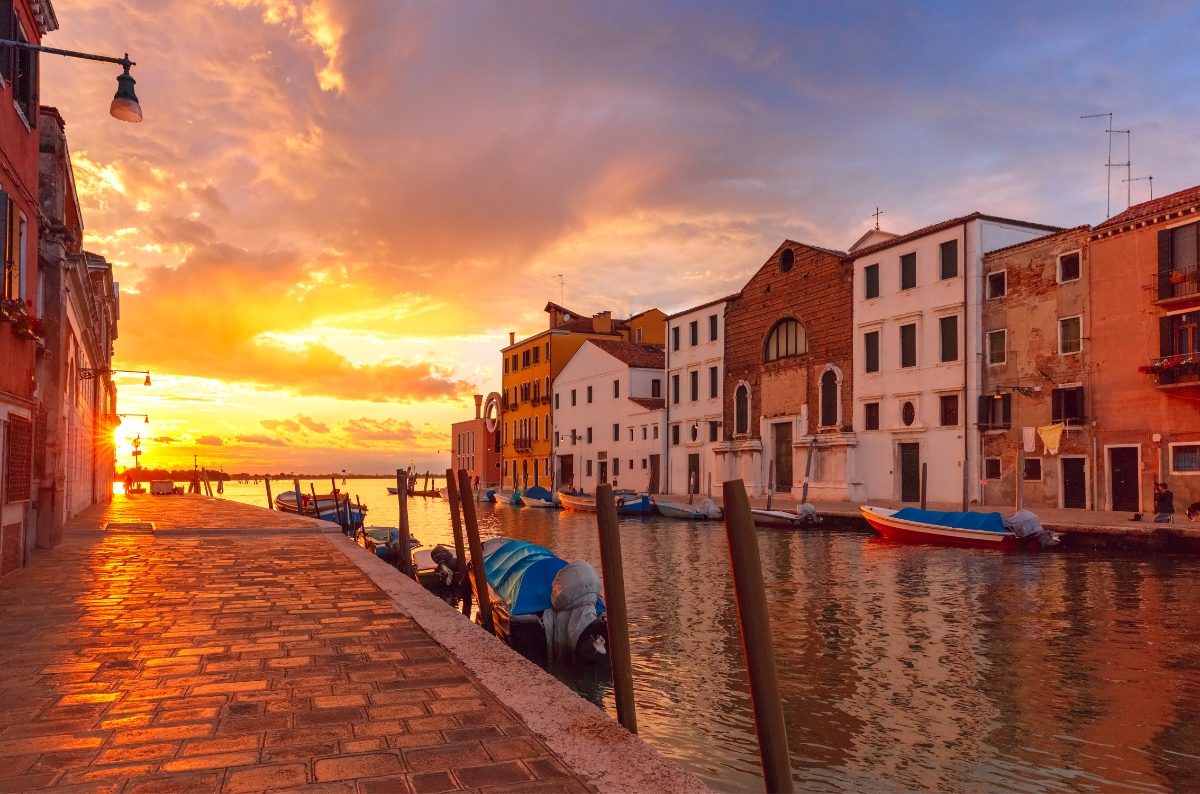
<point>901,667</point>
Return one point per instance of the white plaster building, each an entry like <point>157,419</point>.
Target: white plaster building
<point>695,363</point>
<point>608,417</point>
<point>918,352</point>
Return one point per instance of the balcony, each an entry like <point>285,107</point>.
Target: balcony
<point>1176,285</point>
<point>524,444</point>
<point>1181,370</point>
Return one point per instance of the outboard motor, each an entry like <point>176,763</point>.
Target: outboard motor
<point>446,562</point>
<point>570,621</point>
<point>808,513</point>
<point>1024,524</point>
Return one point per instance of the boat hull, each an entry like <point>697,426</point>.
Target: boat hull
<point>778,519</point>
<point>685,512</point>
<point>899,530</point>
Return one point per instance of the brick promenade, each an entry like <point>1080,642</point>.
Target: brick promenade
<point>196,658</point>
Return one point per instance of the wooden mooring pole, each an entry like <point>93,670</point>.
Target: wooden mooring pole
<point>481,584</point>
<point>924,474</point>
<point>403,553</point>
<point>614,605</point>
<point>756,638</point>
<point>270,499</point>
<point>460,551</point>
<point>299,499</point>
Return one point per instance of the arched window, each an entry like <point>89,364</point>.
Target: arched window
<point>786,339</point>
<point>829,398</point>
<point>741,409</point>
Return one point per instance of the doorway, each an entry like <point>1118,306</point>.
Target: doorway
<point>1123,479</point>
<point>782,437</point>
<point>693,473</point>
<point>910,472</point>
<point>653,474</point>
<point>566,471</point>
<point>1074,483</point>
<point>603,472</point>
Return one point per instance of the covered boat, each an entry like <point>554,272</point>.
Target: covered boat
<point>986,530</point>
<point>542,605</point>
<point>705,511</point>
<point>538,496</point>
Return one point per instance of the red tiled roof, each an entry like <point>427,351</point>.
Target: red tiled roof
<point>937,227</point>
<point>635,354</point>
<point>713,302</point>
<point>650,403</point>
<point>583,325</point>
<point>1035,240</point>
<point>1180,198</point>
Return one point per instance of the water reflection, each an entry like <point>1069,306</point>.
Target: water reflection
<point>900,667</point>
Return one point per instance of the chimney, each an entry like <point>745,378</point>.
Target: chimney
<point>512,338</point>
<point>602,322</point>
<point>478,405</point>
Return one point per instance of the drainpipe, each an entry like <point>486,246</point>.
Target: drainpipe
<point>966,380</point>
<point>666,458</point>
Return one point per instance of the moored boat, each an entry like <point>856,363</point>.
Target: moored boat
<point>784,519</point>
<point>577,500</point>
<point>542,605</point>
<point>705,511</point>
<point>913,525</point>
<point>382,541</point>
<point>435,567</point>
<point>326,507</point>
<point>538,497</point>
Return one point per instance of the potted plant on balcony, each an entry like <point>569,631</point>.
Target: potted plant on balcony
<point>11,309</point>
<point>1177,277</point>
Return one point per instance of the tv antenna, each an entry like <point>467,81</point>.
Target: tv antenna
<point>561,289</point>
<point>1143,179</point>
<point>1109,163</point>
<point>1127,165</point>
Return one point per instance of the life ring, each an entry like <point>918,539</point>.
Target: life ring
<point>620,501</point>
<point>491,412</point>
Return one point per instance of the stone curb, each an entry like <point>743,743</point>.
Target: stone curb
<point>589,742</point>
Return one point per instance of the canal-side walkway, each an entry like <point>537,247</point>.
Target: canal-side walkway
<point>183,643</point>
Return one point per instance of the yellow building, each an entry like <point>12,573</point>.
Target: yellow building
<point>530,367</point>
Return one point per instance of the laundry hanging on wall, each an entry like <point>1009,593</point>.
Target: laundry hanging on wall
<point>1052,436</point>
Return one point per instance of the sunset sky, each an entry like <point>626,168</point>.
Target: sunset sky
<point>336,210</point>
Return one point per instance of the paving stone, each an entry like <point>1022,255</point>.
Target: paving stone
<point>432,782</point>
<point>267,776</point>
<point>203,783</point>
<point>395,784</point>
<point>446,755</point>
<point>350,767</point>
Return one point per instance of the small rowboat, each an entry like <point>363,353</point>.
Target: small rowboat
<point>911,525</point>
<point>629,503</point>
<point>705,511</point>
<point>784,519</point>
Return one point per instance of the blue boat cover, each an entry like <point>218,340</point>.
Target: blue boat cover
<point>522,573</point>
<point>983,522</point>
<point>538,492</point>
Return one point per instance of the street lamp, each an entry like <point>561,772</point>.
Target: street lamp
<point>87,373</point>
<point>125,104</point>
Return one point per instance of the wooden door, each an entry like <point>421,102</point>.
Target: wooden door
<point>1074,480</point>
<point>653,474</point>
<point>1123,479</point>
<point>910,472</point>
<point>783,455</point>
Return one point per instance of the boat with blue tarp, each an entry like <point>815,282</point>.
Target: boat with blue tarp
<point>951,528</point>
<point>543,606</point>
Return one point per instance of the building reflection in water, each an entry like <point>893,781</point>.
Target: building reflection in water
<point>902,666</point>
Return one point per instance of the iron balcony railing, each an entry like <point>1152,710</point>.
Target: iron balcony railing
<point>1182,368</point>
<point>1177,284</point>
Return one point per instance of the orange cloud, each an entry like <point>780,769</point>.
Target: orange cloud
<point>262,441</point>
<point>210,441</point>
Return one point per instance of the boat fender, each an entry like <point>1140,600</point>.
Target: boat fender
<point>620,501</point>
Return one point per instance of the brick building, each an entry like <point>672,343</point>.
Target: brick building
<point>1036,373</point>
<point>787,380</point>
<point>21,327</point>
<point>476,448</point>
<point>1145,285</point>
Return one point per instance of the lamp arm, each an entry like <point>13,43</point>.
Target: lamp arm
<point>24,45</point>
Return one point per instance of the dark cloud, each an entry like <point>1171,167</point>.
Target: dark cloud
<point>262,441</point>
